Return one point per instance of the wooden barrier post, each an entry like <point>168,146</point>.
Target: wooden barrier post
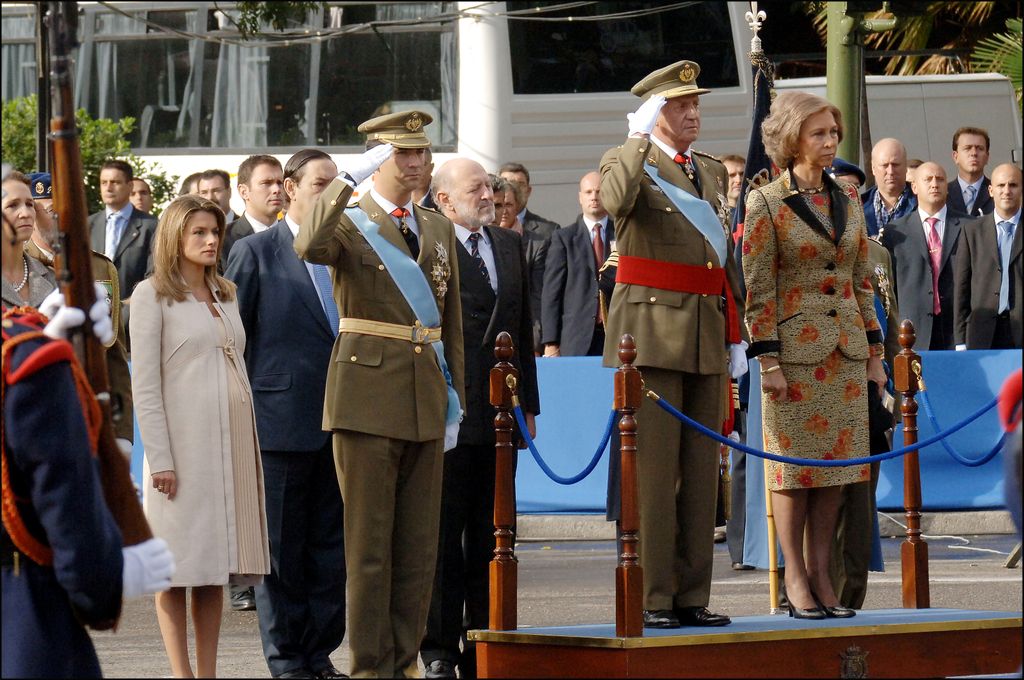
<point>503,572</point>
<point>913,551</point>
<point>629,575</point>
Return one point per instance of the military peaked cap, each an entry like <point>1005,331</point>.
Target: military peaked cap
<point>676,80</point>
<point>402,129</point>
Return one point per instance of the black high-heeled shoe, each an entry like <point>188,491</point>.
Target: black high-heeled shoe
<point>837,612</point>
<point>797,613</point>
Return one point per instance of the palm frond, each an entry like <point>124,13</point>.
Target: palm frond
<point>1001,53</point>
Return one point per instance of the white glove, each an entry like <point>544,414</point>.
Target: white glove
<point>961,348</point>
<point>735,436</point>
<point>148,568</point>
<point>451,432</point>
<point>367,163</point>
<point>64,318</point>
<point>738,360</point>
<point>642,121</point>
<point>125,446</point>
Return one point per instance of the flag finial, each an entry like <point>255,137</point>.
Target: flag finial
<point>754,19</point>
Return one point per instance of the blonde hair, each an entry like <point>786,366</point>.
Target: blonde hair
<point>781,129</point>
<point>167,250</point>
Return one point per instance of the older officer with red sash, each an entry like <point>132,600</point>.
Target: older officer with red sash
<point>677,293</point>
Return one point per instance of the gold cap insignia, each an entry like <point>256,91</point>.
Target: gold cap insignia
<point>40,189</point>
<point>414,123</point>
<point>687,74</point>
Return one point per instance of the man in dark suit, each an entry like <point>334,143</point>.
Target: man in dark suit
<point>290,326</point>
<point>215,185</point>
<point>968,193</point>
<point>119,231</point>
<point>495,297</point>
<point>987,297</point>
<point>923,246</point>
<point>261,186</point>
<point>536,235</point>
<point>573,323</point>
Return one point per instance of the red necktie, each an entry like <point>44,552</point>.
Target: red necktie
<point>687,165</point>
<point>598,260</point>
<point>935,255</point>
<point>410,238</point>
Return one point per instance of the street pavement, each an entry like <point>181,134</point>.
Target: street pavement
<point>573,582</point>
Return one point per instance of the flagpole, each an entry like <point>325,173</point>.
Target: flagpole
<point>762,68</point>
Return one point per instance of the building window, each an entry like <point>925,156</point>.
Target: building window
<point>612,55</point>
<point>189,93</point>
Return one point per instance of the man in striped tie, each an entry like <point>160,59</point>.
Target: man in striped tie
<point>291,321</point>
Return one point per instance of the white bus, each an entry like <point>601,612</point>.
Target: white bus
<point>541,83</point>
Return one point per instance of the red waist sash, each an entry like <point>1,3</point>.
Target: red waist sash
<point>682,278</point>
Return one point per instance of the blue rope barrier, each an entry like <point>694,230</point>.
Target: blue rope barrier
<point>956,455</point>
<point>565,481</point>
<point>818,463</point>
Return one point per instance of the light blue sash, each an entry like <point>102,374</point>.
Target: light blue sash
<point>416,291</point>
<point>698,211</point>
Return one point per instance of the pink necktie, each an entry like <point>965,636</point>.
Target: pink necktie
<point>935,254</point>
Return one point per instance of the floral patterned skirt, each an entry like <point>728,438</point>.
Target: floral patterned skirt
<point>824,418</point>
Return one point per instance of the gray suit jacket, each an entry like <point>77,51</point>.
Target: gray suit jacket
<point>904,238</point>
<point>537,233</point>
<point>570,288</point>
<point>134,251</point>
<point>977,277</point>
<point>238,229</point>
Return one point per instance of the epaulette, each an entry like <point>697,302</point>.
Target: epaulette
<point>427,207</point>
<point>706,155</point>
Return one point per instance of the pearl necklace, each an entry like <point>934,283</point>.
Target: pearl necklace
<point>812,190</point>
<point>24,278</point>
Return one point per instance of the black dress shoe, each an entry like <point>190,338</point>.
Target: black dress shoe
<point>837,612</point>
<point>797,613</point>
<point>243,600</point>
<point>661,618</point>
<point>297,673</point>
<point>739,566</point>
<point>328,671</point>
<point>700,616</point>
<point>440,668</point>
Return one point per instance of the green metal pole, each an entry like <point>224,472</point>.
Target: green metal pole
<point>843,74</point>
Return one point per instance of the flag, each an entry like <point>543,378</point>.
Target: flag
<point>758,169</point>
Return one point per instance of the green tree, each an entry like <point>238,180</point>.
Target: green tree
<point>100,139</point>
<point>255,16</point>
<point>941,25</point>
<point>1001,53</point>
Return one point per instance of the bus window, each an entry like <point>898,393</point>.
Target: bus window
<point>611,54</point>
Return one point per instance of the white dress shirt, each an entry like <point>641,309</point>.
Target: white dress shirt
<point>663,145</point>
<point>940,226</point>
<point>257,226</point>
<point>485,249</point>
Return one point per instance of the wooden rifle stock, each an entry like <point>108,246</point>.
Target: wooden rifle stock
<point>74,270</point>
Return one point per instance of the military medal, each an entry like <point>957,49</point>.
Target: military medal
<point>441,270</point>
<point>883,289</point>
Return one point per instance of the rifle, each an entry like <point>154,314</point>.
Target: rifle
<point>74,269</point>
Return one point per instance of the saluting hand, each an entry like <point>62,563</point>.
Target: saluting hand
<point>368,162</point>
<point>641,122</point>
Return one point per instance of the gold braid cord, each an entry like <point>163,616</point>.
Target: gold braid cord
<point>23,540</point>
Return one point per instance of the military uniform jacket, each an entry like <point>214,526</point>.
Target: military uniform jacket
<point>673,330</point>
<point>381,386</point>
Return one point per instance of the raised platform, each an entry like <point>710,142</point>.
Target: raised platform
<point>875,643</point>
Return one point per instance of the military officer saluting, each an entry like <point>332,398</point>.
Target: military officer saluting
<point>677,293</point>
<point>394,386</point>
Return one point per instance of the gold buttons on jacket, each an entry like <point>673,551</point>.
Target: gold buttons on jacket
<point>417,349</point>
<point>654,299</point>
<point>703,294</point>
<point>353,358</point>
<point>710,266</point>
<point>668,208</point>
<point>380,267</point>
<point>334,203</point>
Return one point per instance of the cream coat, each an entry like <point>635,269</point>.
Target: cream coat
<point>179,381</point>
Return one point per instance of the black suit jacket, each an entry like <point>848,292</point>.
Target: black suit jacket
<point>912,267</point>
<point>537,233</point>
<point>133,256</point>
<point>288,340</point>
<point>977,277</point>
<point>484,315</point>
<point>983,202</point>
<point>238,229</point>
<point>570,288</point>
